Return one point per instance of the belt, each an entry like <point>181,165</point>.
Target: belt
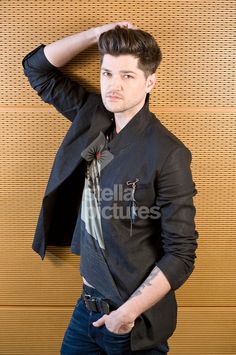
<point>97,304</point>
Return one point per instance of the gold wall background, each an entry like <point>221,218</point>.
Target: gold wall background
<point>194,98</point>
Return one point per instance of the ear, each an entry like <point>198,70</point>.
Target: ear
<point>150,83</point>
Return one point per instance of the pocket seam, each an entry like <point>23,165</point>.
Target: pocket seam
<point>115,334</point>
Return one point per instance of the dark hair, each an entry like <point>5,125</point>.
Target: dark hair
<point>140,44</point>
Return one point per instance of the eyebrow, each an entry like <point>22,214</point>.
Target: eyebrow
<point>121,71</point>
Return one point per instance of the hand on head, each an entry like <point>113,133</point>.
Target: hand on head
<point>99,30</point>
<point>126,24</point>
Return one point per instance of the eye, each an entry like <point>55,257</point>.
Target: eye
<point>106,73</point>
<point>127,76</point>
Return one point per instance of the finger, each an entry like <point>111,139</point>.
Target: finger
<point>100,321</point>
<point>127,24</point>
<point>131,25</point>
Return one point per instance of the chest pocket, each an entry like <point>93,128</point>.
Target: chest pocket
<point>140,201</point>
<point>143,193</point>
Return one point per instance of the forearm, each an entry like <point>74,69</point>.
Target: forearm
<point>63,50</point>
<point>151,291</point>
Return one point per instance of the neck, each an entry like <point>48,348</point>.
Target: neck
<point>122,118</point>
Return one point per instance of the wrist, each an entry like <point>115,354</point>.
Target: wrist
<point>128,312</point>
<point>100,29</point>
<point>96,33</point>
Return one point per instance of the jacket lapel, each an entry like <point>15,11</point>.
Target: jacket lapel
<point>69,154</point>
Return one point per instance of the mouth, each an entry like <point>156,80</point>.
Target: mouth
<point>113,98</point>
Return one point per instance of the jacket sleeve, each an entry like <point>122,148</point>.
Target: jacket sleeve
<point>55,88</point>
<point>175,200</point>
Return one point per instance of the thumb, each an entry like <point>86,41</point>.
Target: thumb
<point>100,321</point>
<point>127,24</point>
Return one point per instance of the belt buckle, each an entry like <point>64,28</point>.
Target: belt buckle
<point>87,297</point>
<point>97,304</point>
<point>90,303</point>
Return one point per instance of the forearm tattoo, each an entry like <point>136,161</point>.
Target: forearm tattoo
<point>147,282</point>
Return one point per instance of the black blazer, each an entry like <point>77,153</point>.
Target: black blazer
<point>167,169</point>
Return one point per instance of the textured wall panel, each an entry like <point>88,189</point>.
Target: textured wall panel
<point>194,97</point>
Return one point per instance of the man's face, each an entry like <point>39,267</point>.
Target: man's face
<point>123,85</point>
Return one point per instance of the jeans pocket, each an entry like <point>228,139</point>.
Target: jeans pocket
<point>116,334</point>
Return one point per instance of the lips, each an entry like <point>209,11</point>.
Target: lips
<point>113,97</point>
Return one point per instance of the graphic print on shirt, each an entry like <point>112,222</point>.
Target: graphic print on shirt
<point>97,157</point>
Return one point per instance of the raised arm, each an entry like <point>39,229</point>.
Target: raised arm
<point>62,51</point>
<point>41,67</point>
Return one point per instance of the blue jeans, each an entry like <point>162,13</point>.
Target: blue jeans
<point>82,338</point>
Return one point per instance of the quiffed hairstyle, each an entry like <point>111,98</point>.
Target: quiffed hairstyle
<point>140,44</point>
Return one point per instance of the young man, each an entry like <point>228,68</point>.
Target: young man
<point>120,194</point>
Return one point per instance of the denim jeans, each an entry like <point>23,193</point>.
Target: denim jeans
<point>82,338</point>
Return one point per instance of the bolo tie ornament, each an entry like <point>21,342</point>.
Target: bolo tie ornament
<point>133,205</point>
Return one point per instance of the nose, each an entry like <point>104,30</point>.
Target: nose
<point>115,83</point>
